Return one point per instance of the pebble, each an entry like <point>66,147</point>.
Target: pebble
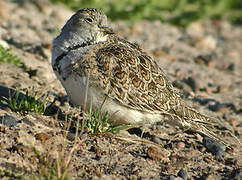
<point>43,137</point>
<point>236,174</point>
<point>8,120</point>
<point>195,30</point>
<point>199,137</point>
<point>180,145</point>
<point>183,174</point>
<point>192,83</point>
<point>233,123</point>
<point>98,173</point>
<point>158,154</point>
<point>211,64</point>
<point>163,54</point>
<point>172,177</point>
<point>208,43</point>
<point>4,44</point>
<point>157,140</point>
<point>2,129</point>
<point>231,67</point>
<point>214,147</point>
<point>203,59</point>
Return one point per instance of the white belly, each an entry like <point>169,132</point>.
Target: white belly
<point>76,89</point>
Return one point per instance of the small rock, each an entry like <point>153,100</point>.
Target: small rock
<point>98,173</point>
<point>192,83</point>
<point>158,53</point>
<point>180,74</point>
<point>61,94</point>
<point>211,64</point>
<point>43,137</point>
<point>180,145</point>
<point>199,137</point>
<point>47,45</point>
<point>156,140</point>
<point>195,30</point>
<point>231,67</point>
<point>172,177</point>
<point>208,42</point>
<point>199,60</point>
<point>158,154</point>
<point>8,120</point>
<point>208,90</point>
<point>2,129</point>
<point>203,59</point>
<point>233,123</point>
<point>163,54</point>
<point>236,174</point>
<point>214,147</point>
<point>4,44</point>
<point>183,174</point>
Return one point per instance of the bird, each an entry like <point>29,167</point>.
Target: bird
<point>94,64</point>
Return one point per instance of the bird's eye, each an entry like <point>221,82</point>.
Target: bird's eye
<point>88,20</point>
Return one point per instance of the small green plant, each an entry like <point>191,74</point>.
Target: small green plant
<point>7,57</point>
<point>25,103</point>
<point>98,122</point>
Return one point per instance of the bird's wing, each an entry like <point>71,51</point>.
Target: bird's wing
<point>132,78</point>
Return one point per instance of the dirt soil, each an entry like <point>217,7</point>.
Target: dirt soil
<point>204,62</point>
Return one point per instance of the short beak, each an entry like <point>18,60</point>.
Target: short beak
<point>106,30</point>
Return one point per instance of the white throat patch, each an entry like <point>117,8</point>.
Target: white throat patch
<point>101,37</point>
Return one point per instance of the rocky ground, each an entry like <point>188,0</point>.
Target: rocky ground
<point>204,62</point>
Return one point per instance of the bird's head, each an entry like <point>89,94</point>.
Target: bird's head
<point>86,25</point>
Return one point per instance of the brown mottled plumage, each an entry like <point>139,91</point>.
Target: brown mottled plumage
<point>87,53</point>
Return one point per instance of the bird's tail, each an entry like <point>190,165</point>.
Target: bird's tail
<point>212,129</point>
<point>202,124</point>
